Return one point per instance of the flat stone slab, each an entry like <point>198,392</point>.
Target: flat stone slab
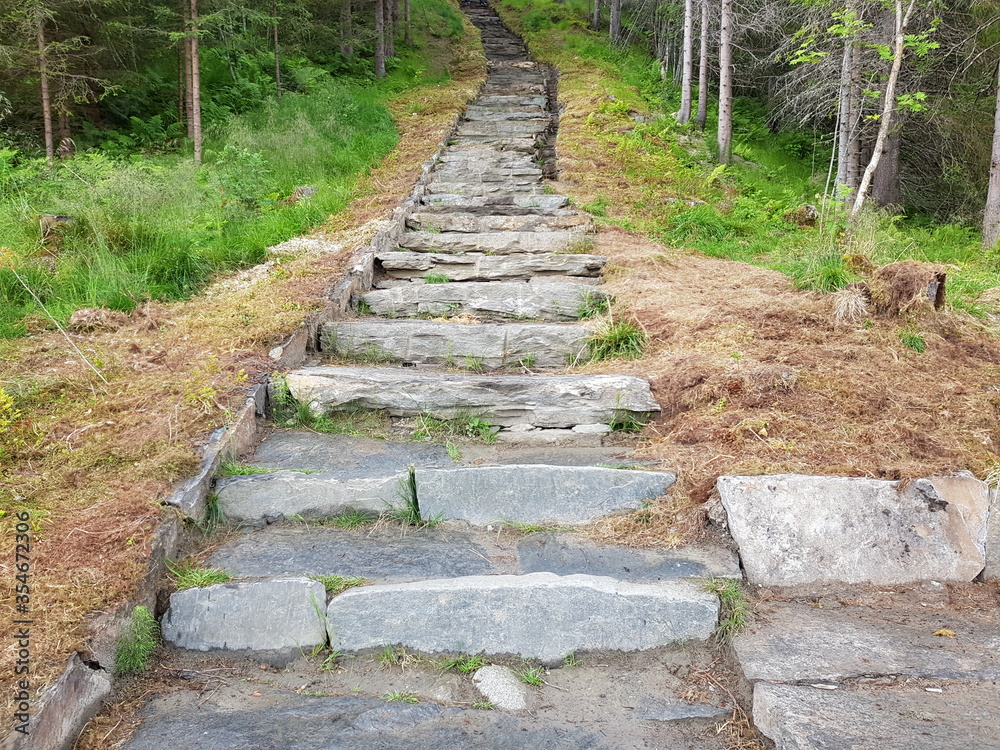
<point>543,401</point>
<point>375,554</point>
<point>495,201</point>
<point>797,529</point>
<point>566,554</point>
<point>797,643</point>
<point>346,456</point>
<point>653,709</point>
<point>804,718</point>
<point>487,346</point>
<point>540,616</point>
<point>504,129</point>
<point>481,267</point>
<point>501,687</point>
<point>285,494</point>
<point>476,223</point>
<point>992,571</point>
<point>471,185</point>
<point>534,494</point>
<point>497,243</point>
<point>275,615</point>
<point>500,299</point>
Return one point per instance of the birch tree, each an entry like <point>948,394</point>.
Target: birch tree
<point>684,115</point>
<point>703,69</point>
<point>725,135</point>
<point>615,26</point>
<point>991,219</point>
<point>380,38</point>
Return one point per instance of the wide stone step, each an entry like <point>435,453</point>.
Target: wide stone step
<point>508,115</point>
<point>490,299</point>
<point>486,346</point>
<point>502,143</point>
<point>497,243</point>
<point>511,100</point>
<point>508,129</point>
<point>479,223</point>
<point>486,158</point>
<point>476,171</point>
<point>494,202</point>
<point>540,616</point>
<point>472,186</point>
<point>383,555</point>
<point>481,267</point>
<point>553,401</point>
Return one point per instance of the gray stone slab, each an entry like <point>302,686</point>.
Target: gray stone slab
<point>274,615</point>
<point>504,129</point>
<point>501,687</point>
<point>497,243</point>
<point>566,554</point>
<point>654,709</point>
<point>348,723</point>
<point>286,494</point>
<point>534,494</point>
<point>376,554</point>
<point>471,185</point>
<point>482,267</point>
<point>540,616</point>
<point>804,718</point>
<point>469,222</point>
<point>487,346</point>
<point>553,301</point>
<point>347,456</point>
<point>992,571</point>
<point>543,401</point>
<point>797,643</point>
<point>495,201</point>
<point>796,529</point>
<point>490,114</point>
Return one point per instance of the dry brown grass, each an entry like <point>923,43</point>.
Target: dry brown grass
<point>93,461</point>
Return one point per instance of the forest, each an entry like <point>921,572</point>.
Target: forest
<point>146,146</point>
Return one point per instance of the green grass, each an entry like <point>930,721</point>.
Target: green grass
<point>408,512</point>
<point>622,338</point>
<point>531,675</point>
<point>336,584</point>
<point>913,340</point>
<point>153,226</point>
<point>137,642</point>
<point>237,469</point>
<point>187,575</point>
<point>593,304</point>
<point>464,425</point>
<point>401,697</point>
<point>735,614</point>
<point>288,412</point>
<point>464,664</point>
<point>353,520</point>
<point>436,278</point>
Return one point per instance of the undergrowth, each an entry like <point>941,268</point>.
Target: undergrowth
<point>137,642</point>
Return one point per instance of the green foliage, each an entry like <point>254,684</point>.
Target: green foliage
<point>353,520</point>
<point>136,644</point>
<point>593,304</point>
<point>736,610</point>
<point>188,575</point>
<point>464,664</point>
<point>409,513</point>
<point>623,420</point>
<point>436,278</point>
<point>336,584</point>
<point>622,338</point>
<point>463,425</point>
<point>533,676</point>
<point>913,340</point>
<point>401,697</point>
<point>236,469</point>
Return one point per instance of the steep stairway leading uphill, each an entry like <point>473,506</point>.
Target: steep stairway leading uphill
<point>491,287</point>
<point>423,554</point>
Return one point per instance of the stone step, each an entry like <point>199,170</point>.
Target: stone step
<point>495,202</point>
<point>511,100</point>
<point>486,158</point>
<point>486,346</point>
<point>520,145</point>
<point>496,243</point>
<point>528,494</point>
<point>388,282</point>
<point>463,171</point>
<point>383,555</point>
<point>472,186</point>
<point>537,616</point>
<point>506,129</point>
<point>456,221</point>
<point>500,300</point>
<point>473,114</point>
<point>546,401</point>
<point>481,267</point>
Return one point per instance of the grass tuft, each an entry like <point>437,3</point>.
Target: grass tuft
<point>336,584</point>
<point>736,610</point>
<point>533,676</point>
<point>137,642</point>
<point>622,338</point>
<point>187,575</point>
<point>464,664</point>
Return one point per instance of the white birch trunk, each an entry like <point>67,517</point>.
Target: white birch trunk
<point>684,115</point>
<point>725,139</point>
<point>703,69</point>
<point>991,219</point>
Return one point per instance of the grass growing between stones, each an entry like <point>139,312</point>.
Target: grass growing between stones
<point>593,305</point>
<point>533,676</point>
<point>462,426</point>
<point>188,575</point>
<point>483,705</point>
<point>137,642</point>
<point>237,469</point>
<point>736,611</point>
<point>288,412</point>
<point>464,664</point>
<point>409,513</point>
<point>337,584</point>
<point>617,339</point>
<point>401,697</point>
<point>356,519</point>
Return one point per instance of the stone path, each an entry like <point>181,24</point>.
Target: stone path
<point>341,631</point>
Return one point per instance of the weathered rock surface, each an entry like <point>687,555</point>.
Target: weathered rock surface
<point>480,267</point>
<point>540,615</point>
<point>543,401</point>
<point>566,554</point>
<point>535,494</point>
<point>804,718</point>
<point>498,299</point>
<point>794,642</point>
<point>486,346</point>
<point>283,613</point>
<point>311,496</point>
<point>471,185</point>
<point>495,201</point>
<point>797,529</point>
<point>497,243</point>
<point>501,687</point>
<point>992,571</point>
<point>651,709</point>
<point>348,456</point>
<point>559,219</point>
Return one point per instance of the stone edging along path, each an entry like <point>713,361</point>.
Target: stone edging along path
<point>498,243</point>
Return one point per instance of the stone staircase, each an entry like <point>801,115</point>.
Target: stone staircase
<point>339,631</point>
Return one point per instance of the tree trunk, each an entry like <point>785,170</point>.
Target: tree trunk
<point>188,77</point>
<point>888,105</point>
<point>43,71</point>
<point>195,84</point>
<point>408,20</point>
<point>703,69</point>
<point>845,119</point>
<point>725,139</point>
<point>380,38</point>
<point>277,58</point>
<point>885,190</point>
<point>182,84</point>
<point>615,27</point>
<point>856,116</point>
<point>392,21</point>
<point>687,63</point>
<point>595,16</point>
<point>991,219</point>
<point>346,37</point>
